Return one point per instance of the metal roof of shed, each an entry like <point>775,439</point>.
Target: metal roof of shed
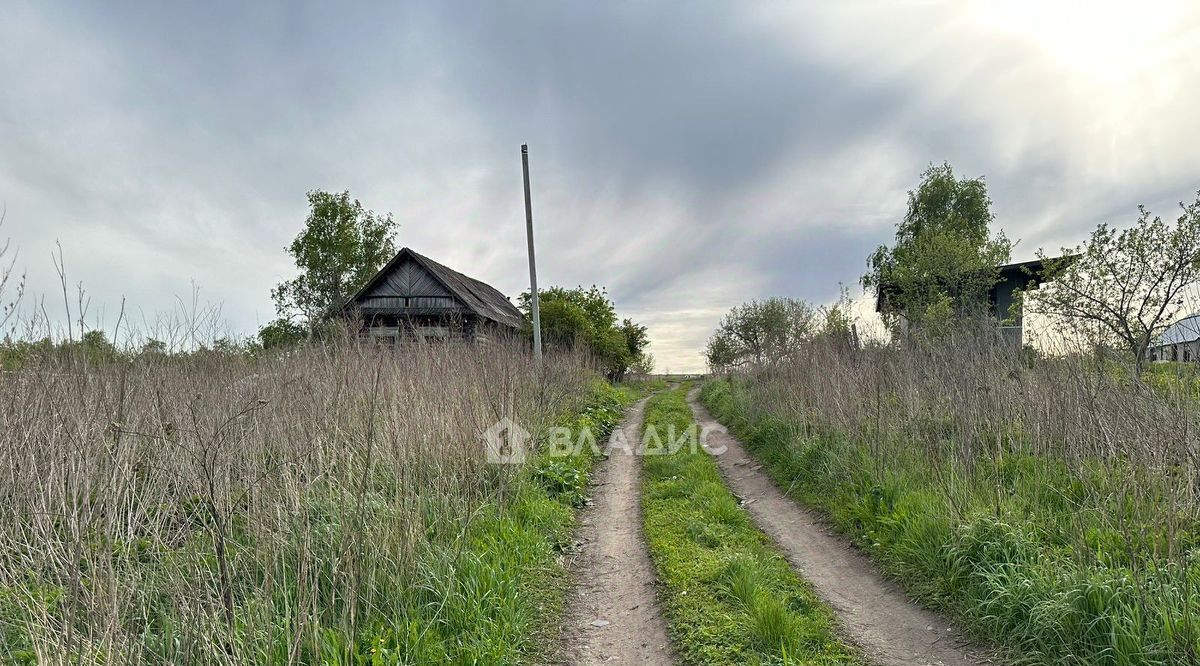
<point>1184,330</point>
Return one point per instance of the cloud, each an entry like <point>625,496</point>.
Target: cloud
<point>688,157</point>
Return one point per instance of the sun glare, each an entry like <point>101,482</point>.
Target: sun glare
<point>1104,40</point>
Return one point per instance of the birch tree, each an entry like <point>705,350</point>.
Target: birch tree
<point>944,260</point>
<point>342,245</point>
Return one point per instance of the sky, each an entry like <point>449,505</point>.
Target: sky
<point>686,156</point>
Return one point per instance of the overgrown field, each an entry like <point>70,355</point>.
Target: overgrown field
<point>329,506</point>
<point>1048,504</point>
<point>730,597</point>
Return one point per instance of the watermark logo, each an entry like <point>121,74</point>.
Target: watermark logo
<point>507,443</point>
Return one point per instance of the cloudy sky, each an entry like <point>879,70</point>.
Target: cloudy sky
<point>688,156</point>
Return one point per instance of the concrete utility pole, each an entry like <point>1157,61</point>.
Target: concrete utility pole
<point>533,290</point>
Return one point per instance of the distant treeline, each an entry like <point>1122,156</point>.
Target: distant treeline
<point>95,348</point>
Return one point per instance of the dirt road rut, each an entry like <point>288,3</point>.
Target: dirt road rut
<point>875,613</point>
<point>613,614</point>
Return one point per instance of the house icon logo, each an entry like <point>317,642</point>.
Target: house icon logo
<point>506,442</point>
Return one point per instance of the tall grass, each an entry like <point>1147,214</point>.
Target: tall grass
<point>329,505</point>
<point>1050,504</point>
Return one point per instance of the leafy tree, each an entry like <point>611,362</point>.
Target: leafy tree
<point>341,247</point>
<point>586,316</point>
<point>609,347</point>
<point>944,260</point>
<point>761,332</point>
<point>637,338</point>
<point>837,322</point>
<point>96,347</point>
<point>15,353</point>
<point>154,347</point>
<point>227,346</point>
<point>281,334</point>
<point>723,353</point>
<point>644,365</point>
<point>93,347</point>
<point>1124,288</point>
<point>563,320</point>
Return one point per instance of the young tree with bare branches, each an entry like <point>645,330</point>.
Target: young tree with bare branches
<point>1123,288</point>
<point>9,301</point>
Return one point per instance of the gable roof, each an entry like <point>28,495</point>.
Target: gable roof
<point>1184,330</point>
<point>480,298</point>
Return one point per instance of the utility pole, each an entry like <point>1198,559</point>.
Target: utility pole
<point>533,290</point>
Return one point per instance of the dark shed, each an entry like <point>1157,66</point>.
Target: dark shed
<point>1001,297</point>
<point>1013,278</point>
<point>414,296</point>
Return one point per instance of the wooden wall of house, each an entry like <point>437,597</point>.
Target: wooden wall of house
<point>403,327</point>
<point>409,279</point>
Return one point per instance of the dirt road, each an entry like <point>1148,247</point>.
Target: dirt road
<point>875,613</point>
<point>613,614</point>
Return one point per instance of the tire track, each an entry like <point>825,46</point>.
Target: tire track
<point>613,614</point>
<point>875,614</point>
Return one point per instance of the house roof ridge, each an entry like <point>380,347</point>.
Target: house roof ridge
<point>478,296</point>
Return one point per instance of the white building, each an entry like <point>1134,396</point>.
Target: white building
<point>1180,342</point>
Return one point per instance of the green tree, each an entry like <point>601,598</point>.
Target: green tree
<point>564,321</point>
<point>644,365</point>
<point>570,317</point>
<point>722,354</point>
<point>761,332</point>
<point>154,347</point>
<point>637,338</point>
<point>15,353</point>
<point>836,322</point>
<point>945,259</point>
<point>341,247</point>
<point>1124,288</point>
<point>227,346</point>
<point>281,334</point>
<point>97,348</point>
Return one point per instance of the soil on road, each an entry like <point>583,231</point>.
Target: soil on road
<point>613,614</point>
<point>875,613</point>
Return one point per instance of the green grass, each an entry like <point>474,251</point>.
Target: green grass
<point>730,597</point>
<point>645,386</point>
<point>1057,564</point>
<point>1171,379</point>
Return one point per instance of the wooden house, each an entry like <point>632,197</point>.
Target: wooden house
<point>414,297</point>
